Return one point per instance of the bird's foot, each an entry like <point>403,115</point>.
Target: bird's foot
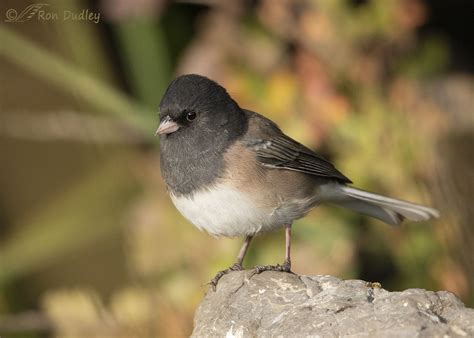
<point>285,267</point>
<point>215,280</point>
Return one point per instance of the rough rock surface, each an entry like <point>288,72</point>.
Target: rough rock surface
<point>287,305</point>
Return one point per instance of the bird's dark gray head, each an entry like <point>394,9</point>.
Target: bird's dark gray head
<point>195,106</point>
<point>198,122</point>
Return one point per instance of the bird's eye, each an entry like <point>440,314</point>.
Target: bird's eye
<point>190,115</point>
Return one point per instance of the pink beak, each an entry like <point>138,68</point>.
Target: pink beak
<point>167,126</point>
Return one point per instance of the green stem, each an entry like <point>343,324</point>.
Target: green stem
<point>66,76</point>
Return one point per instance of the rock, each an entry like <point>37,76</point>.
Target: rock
<point>283,304</point>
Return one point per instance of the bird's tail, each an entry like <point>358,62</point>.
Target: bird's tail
<point>389,210</point>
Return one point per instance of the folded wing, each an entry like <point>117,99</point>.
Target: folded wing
<point>282,152</point>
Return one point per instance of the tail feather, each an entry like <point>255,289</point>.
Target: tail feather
<point>389,210</point>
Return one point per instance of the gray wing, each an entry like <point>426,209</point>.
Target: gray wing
<point>282,152</point>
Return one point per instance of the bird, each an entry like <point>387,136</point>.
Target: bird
<point>233,172</point>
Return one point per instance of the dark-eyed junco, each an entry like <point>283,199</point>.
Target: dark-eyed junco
<point>233,172</point>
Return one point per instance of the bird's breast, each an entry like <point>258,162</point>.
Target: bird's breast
<point>186,169</point>
<point>223,210</point>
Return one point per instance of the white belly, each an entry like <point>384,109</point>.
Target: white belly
<point>224,211</point>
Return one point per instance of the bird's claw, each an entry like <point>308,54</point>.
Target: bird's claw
<point>285,267</point>
<point>218,276</point>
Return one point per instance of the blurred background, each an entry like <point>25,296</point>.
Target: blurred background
<point>90,244</point>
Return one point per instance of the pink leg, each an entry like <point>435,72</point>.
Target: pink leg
<point>286,266</point>
<point>287,246</point>
<point>236,267</point>
<point>243,250</point>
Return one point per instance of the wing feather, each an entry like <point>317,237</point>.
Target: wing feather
<point>282,152</point>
